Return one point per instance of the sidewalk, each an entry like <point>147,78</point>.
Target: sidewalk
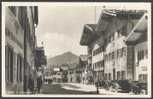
<point>79,87</point>
<point>87,88</point>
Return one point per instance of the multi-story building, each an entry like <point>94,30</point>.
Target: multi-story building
<point>87,39</point>
<point>20,23</point>
<point>111,57</point>
<point>29,22</point>
<point>138,39</point>
<point>83,62</point>
<point>73,73</point>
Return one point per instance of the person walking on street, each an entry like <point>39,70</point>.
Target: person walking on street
<point>39,83</point>
<point>31,84</point>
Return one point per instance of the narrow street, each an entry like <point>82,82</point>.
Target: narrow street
<point>58,89</point>
<point>76,88</point>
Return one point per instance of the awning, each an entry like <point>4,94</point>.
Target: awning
<point>139,30</point>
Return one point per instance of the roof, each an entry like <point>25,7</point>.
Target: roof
<point>138,31</point>
<point>107,15</point>
<point>93,31</point>
<point>88,34</point>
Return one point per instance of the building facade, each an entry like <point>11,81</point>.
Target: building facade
<point>20,42</point>
<point>138,39</point>
<point>74,73</point>
<point>112,58</point>
<point>83,63</point>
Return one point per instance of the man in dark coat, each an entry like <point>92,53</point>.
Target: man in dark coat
<point>31,84</point>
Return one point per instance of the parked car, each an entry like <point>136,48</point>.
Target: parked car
<point>124,86</point>
<point>103,84</point>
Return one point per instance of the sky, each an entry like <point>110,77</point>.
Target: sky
<point>60,27</point>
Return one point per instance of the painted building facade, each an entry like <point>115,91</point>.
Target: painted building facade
<point>112,58</point>
<point>138,39</point>
<point>14,49</point>
<point>20,42</point>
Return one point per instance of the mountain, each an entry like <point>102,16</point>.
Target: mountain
<point>65,58</point>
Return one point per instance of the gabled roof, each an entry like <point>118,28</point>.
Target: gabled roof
<point>107,15</point>
<point>88,34</point>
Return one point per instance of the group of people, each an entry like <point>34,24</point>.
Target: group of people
<point>31,84</point>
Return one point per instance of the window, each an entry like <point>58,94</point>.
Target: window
<point>19,68</point>
<point>122,50</point>
<point>109,76</point>
<point>118,52</point>
<point>105,76</point>
<point>146,53</point>
<point>123,75</point>
<point>112,55</point>
<point>140,55</point>
<point>9,62</point>
<point>109,56</point>
<point>143,77</point>
<point>6,64</point>
<point>118,75</point>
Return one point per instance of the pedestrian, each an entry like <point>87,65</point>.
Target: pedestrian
<point>31,84</point>
<point>39,83</point>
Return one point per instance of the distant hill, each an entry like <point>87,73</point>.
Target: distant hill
<point>65,58</point>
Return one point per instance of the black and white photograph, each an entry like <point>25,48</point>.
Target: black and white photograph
<point>76,49</point>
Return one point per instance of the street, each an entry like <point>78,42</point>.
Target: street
<point>58,89</point>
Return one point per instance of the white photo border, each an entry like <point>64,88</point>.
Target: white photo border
<point>146,5</point>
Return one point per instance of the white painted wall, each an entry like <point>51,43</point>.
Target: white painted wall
<point>141,68</point>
